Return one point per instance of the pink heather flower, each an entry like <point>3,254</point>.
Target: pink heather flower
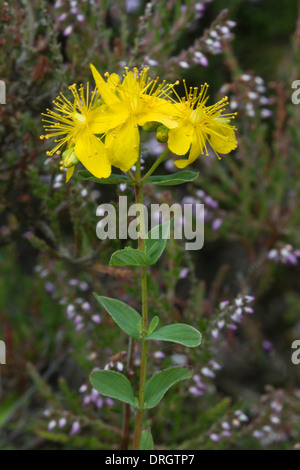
<point>183,273</point>
<point>224,304</point>
<point>86,306</point>
<point>220,324</point>
<point>215,333</point>
<point>184,65</point>
<point>277,407</point>
<point>62,422</point>
<point>198,381</point>
<point>79,326</point>
<point>226,434</point>
<point>68,30</point>
<point>272,254</point>
<point>275,419</point>
<point>216,224</point>
<point>99,402</point>
<point>238,301</point>
<point>83,388</point>
<point>51,425</point>
<point>96,319</point>
<point>215,365</point>
<point>86,400</point>
<point>195,391</point>
<point>248,310</point>
<point>225,426</point>
<point>109,402</point>
<point>159,355</point>
<point>215,437</point>
<point>75,428</point>
<point>267,345</point>
<point>207,372</point>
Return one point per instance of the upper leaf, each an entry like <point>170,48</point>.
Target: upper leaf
<point>113,384</point>
<point>128,319</point>
<point>159,384</point>
<point>130,257</point>
<point>177,333</point>
<point>156,241</point>
<point>180,177</point>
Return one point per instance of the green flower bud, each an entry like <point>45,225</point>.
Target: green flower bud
<point>69,158</point>
<point>150,126</point>
<point>162,134</point>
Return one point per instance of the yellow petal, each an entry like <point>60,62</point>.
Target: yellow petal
<point>104,89</point>
<point>157,109</point>
<point>103,118</point>
<point>123,145</point>
<point>196,149</point>
<point>113,81</point>
<point>70,172</point>
<point>131,84</point>
<point>181,138</point>
<point>91,152</point>
<point>222,138</point>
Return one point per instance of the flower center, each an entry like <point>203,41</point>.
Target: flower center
<point>80,118</point>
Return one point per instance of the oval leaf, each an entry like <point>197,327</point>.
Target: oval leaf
<point>153,324</point>
<point>159,384</point>
<point>129,257</point>
<point>180,177</point>
<point>128,319</point>
<point>156,240</point>
<point>112,179</point>
<point>177,333</point>
<point>146,441</point>
<point>114,385</point>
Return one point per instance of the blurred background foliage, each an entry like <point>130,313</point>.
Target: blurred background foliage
<point>246,390</point>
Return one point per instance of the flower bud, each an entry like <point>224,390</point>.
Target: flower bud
<point>150,126</point>
<point>162,134</point>
<point>69,158</point>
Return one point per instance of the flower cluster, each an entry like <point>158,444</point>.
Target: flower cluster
<point>70,12</point>
<point>91,396</point>
<point>62,422</point>
<point>285,254</point>
<point>231,314</point>
<point>102,129</point>
<point>212,213</point>
<point>249,96</point>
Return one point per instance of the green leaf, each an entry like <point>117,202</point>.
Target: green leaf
<point>156,241</point>
<point>177,333</point>
<point>159,384</point>
<point>146,440</point>
<point>128,319</point>
<point>153,324</point>
<point>114,385</point>
<point>180,177</point>
<point>130,257</point>
<point>112,179</point>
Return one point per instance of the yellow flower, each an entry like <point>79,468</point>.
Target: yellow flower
<point>73,124</point>
<point>129,104</point>
<point>198,125</point>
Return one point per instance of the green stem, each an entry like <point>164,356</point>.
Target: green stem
<point>126,408</point>
<point>156,164</point>
<point>143,367</point>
